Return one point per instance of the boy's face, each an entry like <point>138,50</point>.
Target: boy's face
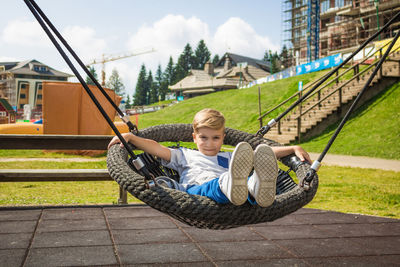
<point>209,141</point>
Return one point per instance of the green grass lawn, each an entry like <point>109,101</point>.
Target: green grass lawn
<point>366,191</point>
<point>356,190</point>
<point>58,193</point>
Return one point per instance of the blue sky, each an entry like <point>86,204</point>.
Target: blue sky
<point>94,27</point>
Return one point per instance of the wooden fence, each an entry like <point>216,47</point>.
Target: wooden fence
<point>57,142</point>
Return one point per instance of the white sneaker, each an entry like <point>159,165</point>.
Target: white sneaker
<point>235,184</point>
<point>262,185</point>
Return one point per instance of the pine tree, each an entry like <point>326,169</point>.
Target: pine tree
<point>266,56</point>
<point>185,63</point>
<point>215,59</point>
<point>162,84</point>
<point>152,88</point>
<point>128,102</point>
<point>284,57</point>
<point>92,70</point>
<point>115,83</point>
<point>169,73</point>
<point>273,58</point>
<point>201,55</point>
<point>180,70</point>
<point>141,88</point>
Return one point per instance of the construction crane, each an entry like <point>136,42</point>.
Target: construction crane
<point>107,58</point>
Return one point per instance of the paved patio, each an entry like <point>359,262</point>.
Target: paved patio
<point>141,236</point>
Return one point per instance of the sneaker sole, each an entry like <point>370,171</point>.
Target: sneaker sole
<point>266,167</point>
<point>241,166</point>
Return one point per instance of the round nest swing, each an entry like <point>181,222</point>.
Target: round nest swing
<point>200,211</point>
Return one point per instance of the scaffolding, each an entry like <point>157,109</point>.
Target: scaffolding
<point>300,28</point>
<point>317,28</point>
<point>7,88</point>
<point>312,30</point>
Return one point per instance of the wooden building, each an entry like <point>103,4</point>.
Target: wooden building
<point>7,113</point>
<point>21,82</point>
<point>230,72</point>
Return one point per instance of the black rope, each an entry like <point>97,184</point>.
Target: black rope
<point>131,126</point>
<point>316,164</point>
<point>32,7</point>
<point>270,124</point>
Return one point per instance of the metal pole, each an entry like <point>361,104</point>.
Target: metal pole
<point>376,3</point>
<point>259,105</point>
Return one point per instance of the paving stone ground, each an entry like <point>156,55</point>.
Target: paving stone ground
<point>141,236</point>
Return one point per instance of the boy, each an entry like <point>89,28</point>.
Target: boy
<point>221,176</point>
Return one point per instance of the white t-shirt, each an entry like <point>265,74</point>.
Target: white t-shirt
<point>196,168</point>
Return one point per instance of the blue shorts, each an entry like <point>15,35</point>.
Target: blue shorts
<point>212,190</point>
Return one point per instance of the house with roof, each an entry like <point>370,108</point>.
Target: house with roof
<point>230,72</point>
<point>21,82</point>
<point>7,113</point>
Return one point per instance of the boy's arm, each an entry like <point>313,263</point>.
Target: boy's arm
<point>282,151</point>
<point>147,145</point>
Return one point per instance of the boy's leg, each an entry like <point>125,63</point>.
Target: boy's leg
<point>209,189</point>
<point>262,185</point>
<point>234,183</point>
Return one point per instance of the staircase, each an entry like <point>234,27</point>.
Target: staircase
<point>328,104</point>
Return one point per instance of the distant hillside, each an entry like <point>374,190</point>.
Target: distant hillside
<point>240,107</point>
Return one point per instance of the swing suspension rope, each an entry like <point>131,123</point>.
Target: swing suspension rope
<point>135,162</point>
<point>45,23</point>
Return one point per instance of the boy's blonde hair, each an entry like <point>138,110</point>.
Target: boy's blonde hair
<point>209,118</point>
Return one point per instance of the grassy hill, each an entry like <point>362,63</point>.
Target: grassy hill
<point>372,131</point>
<point>240,107</point>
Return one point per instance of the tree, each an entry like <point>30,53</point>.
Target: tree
<point>92,70</point>
<point>169,73</point>
<point>162,84</point>
<point>141,88</point>
<point>128,102</point>
<point>284,57</point>
<point>115,83</point>
<point>215,60</point>
<point>201,55</point>
<point>185,63</point>
<point>266,56</point>
<point>273,59</point>
<point>179,70</point>
<point>152,89</point>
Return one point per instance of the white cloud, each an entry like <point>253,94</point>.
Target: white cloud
<point>167,36</point>
<point>23,32</point>
<point>239,37</point>
<point>170,34</point>
<point>28,33</point>
<point>84,42</point>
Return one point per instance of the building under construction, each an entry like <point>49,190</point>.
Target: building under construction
<point>317,28</point>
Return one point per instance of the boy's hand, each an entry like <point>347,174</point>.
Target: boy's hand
<point>302,154</point>
<point>115,140</point>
